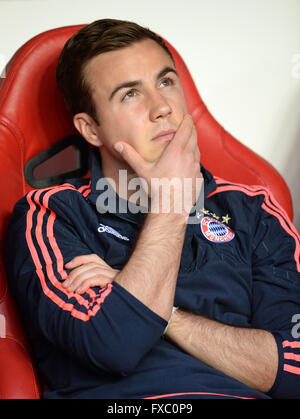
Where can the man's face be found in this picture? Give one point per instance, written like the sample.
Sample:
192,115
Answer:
138,96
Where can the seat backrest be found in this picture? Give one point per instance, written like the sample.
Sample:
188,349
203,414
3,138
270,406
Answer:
32,118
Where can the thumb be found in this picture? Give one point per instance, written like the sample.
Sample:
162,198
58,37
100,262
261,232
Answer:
131,156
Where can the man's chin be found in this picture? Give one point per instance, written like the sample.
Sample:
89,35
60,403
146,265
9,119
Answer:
155,155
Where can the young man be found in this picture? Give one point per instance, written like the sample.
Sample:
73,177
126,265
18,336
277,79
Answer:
123,304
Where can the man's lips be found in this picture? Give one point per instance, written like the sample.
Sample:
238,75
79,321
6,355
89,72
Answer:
164,136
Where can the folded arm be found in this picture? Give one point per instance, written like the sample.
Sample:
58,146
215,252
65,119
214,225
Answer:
265,356
248,355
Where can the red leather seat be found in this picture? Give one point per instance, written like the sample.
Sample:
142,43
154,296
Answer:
32,117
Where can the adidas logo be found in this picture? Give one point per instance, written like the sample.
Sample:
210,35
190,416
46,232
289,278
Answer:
106,229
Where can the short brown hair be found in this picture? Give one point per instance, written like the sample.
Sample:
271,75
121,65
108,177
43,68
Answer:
96,38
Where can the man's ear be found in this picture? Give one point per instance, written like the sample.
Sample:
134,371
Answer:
87,127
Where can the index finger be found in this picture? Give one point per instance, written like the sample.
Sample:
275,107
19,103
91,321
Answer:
131,156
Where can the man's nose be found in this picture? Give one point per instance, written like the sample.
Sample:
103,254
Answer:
159,107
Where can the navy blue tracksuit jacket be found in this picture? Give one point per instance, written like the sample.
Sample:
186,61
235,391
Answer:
240,266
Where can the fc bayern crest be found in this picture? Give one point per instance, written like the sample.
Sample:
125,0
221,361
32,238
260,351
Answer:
215,231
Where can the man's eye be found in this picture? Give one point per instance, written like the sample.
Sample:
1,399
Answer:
166,82
131,93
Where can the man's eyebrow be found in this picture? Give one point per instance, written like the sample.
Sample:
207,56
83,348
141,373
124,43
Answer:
135,83
124,85
165,71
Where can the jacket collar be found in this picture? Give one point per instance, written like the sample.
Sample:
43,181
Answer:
135,214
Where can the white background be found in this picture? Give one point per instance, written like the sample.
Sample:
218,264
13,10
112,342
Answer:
244,56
